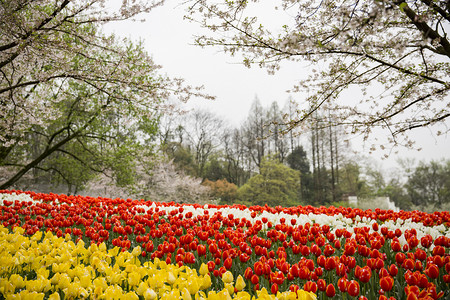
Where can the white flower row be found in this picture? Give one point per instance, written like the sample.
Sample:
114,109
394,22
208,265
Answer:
335,222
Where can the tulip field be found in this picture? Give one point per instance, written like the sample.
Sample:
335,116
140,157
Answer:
75,247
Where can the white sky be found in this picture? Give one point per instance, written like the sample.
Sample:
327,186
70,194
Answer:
168,38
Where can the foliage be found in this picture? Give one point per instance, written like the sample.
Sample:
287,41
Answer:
276,184
396,193
223,190
181,157
215,169
395,52
298,160
430,184
351,182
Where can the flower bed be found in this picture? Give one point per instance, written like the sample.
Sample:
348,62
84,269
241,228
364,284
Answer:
55,246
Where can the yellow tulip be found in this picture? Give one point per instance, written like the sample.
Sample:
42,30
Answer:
55,279
240,283
263,294
227,277
18,230
171,278
130,296
206,282
31,295
100,282
134,278
242,296
224,294
172,295
114,292
304,295
114,251
64,281
85,281
116,278
230,288
37,236
185,295
54,296
93,248
150,294
17,281
95,261
136,251
98,292
203,269
6,287
143,286
72,290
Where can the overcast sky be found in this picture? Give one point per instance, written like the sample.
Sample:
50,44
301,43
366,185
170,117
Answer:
168,39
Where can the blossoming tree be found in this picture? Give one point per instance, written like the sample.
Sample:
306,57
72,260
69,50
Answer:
59,71
394,52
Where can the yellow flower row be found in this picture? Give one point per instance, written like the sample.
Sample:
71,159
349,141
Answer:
45,266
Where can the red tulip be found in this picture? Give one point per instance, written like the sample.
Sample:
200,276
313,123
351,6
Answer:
432,271
330,263
342,284
274,288
310,286
386,283
201,250
353,288
211,265
365,274
408,264
321,284
330,290
341,270
255,279
393,270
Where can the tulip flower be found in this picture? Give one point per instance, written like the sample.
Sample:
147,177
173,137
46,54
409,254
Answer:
386,283
240,283
330,290
227,277
304,295
353,288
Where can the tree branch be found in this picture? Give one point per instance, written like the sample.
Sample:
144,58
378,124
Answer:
427,31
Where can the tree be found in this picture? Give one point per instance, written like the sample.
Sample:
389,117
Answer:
203,132
351,182
298,160
235,156
276,184
55,63
397,193
222,189
396,52
215,168
255,133
429,184
276,140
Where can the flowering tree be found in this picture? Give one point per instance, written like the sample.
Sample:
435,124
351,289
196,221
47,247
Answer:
395,52
56,64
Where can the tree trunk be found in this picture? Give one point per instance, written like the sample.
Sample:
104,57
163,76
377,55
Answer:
333,183
37,160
